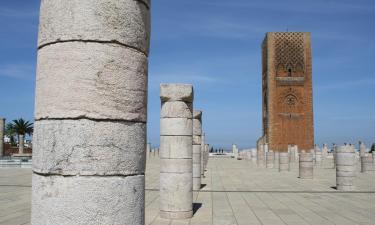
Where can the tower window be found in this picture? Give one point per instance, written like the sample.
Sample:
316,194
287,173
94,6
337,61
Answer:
289,72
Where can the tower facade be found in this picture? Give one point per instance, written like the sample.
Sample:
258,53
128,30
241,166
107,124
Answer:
287,91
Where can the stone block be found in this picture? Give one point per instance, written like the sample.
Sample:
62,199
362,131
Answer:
176,92
124,21
176,147
88,200
176,126
197,140
177,109
91,80
86,147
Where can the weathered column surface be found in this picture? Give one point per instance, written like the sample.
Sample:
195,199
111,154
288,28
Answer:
254,154
345,168
367,164
270,158
260,155
197,142
176,139
306,166
362,149
21,143
2,130
284,161
90,112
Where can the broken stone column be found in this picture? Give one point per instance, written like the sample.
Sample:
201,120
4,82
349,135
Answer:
325,151
176,145
21,143
306,166
367,164
318,158
197,136
203,147
270,157
284,162
345,168
276,160
91,112
2,130
254,154
260,155
206,156
362,149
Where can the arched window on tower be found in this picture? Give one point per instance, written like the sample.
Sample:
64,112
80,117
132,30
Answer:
289,72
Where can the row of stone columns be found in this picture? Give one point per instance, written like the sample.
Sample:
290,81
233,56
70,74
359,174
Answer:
183,155
91,112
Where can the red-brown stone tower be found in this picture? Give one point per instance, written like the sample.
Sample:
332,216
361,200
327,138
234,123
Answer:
287,91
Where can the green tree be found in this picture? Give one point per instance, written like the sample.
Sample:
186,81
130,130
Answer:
10,132
21,128
372,150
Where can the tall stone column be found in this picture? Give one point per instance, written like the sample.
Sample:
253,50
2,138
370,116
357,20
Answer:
21,143
176,145
2,130
362,149
197,136
203,151
91,112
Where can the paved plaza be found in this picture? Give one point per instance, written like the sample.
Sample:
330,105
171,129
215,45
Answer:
234,192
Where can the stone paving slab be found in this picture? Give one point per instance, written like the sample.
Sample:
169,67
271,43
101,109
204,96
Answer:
234,192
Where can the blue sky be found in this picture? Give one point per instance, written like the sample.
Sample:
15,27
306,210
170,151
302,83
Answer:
215,45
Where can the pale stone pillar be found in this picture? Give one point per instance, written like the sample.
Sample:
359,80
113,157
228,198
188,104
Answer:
21,143
345,168
235,151
260,155
362,149
91,112
306,166
367,164
176,145
325,151
270,157
203,150
206,156
277,160
284,161
254,154
197,135
2,130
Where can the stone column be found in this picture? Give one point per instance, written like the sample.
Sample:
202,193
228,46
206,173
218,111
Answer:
176,145
362,149
254,154
21,143
367,164
197,135
260,155
91,112
318,158
284,161
270,157
325,151
203,148
306,166
206,156
2,130
345,168
277,160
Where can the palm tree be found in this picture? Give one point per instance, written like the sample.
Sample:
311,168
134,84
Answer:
22,127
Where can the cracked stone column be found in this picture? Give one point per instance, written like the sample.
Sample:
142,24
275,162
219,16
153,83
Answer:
176,145
306,166
197,142
2,130
91,112
345,168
